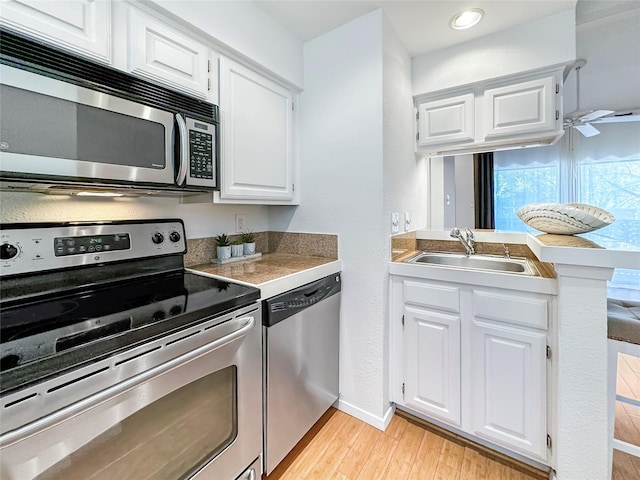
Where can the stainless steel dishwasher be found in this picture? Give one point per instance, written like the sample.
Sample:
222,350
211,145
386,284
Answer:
300,338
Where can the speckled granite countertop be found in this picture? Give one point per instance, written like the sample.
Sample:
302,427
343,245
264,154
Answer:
274,273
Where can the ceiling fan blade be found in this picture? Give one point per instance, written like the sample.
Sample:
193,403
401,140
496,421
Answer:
618,119
587,130
597,114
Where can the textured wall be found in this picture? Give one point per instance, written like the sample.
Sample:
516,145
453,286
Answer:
548,41
201,220
341,141
405,180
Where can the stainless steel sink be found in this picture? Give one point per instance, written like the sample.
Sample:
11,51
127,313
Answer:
475,262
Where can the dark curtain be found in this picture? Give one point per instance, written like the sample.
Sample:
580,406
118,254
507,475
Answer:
483,179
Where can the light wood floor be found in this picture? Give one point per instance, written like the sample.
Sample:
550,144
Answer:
341,447
627,427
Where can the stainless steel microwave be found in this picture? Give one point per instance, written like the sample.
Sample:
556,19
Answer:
67,120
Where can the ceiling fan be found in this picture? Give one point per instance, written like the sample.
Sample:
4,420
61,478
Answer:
582,120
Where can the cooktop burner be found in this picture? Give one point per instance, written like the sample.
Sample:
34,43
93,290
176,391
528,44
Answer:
72,313
39,329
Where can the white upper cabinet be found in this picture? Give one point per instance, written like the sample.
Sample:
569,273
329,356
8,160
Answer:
525,107
450,120
520,110
167,55
258,137
81,26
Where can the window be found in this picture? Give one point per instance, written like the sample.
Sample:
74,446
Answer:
603,170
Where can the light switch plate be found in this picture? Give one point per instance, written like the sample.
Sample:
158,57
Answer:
407,221
395,222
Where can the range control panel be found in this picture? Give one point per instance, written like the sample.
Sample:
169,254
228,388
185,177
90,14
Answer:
27,248
91,243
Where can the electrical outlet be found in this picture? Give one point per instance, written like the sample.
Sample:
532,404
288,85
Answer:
395,222
240,223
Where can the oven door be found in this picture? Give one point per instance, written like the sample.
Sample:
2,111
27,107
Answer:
196,415
58,130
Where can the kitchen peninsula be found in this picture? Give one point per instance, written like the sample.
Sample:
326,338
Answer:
577,334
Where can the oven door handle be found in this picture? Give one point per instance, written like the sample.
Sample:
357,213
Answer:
227,332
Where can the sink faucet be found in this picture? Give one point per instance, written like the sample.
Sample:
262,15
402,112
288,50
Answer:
466,239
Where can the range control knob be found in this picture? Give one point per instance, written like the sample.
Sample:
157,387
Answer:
157,238
174,236
8,251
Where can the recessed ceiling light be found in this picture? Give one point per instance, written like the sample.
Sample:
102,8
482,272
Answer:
466,19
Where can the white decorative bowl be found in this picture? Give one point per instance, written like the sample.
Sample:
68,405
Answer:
564,218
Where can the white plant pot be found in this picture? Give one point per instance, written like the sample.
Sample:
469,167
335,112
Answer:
224,253
237,250
249,248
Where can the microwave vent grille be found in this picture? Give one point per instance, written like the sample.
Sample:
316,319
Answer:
31,55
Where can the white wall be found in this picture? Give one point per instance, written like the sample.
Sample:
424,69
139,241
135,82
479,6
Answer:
243,28
358,166
405,174
609,39
201,220
541,43
341,145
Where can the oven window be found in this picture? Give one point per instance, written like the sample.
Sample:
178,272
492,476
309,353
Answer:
167,440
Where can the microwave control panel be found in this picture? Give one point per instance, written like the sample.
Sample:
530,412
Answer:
201,152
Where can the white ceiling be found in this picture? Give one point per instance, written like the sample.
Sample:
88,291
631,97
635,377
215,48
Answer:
422,25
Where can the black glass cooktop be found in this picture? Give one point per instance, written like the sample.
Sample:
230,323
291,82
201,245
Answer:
110,316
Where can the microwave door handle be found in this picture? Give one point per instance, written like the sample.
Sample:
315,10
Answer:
184,148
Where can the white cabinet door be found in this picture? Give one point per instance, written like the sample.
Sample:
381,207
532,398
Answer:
446,121
82,26
164,54
258,136
508,371
432,363
526,107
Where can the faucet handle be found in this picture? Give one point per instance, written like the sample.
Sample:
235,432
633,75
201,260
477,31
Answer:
455,232
469,233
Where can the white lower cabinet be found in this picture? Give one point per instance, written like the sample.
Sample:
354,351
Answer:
474,358
432,368
508,375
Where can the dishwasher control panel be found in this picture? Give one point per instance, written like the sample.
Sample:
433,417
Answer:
289,303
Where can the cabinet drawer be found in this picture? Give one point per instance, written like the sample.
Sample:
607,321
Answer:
432,295
515,309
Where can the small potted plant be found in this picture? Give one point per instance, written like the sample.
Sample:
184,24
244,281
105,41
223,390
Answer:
249,241
237,248
223,247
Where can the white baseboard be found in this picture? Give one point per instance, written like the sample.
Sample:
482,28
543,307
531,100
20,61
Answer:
381,423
